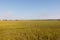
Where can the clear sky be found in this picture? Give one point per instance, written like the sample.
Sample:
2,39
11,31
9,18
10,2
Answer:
29,9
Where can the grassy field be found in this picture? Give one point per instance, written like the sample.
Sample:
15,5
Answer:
30,30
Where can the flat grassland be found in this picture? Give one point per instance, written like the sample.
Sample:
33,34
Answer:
30,30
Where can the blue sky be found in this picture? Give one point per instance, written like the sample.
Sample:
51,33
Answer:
29,9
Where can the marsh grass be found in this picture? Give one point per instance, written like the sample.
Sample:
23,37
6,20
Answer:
29,30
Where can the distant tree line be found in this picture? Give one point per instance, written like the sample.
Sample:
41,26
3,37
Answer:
33,20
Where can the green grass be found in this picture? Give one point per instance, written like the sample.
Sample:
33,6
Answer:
30,30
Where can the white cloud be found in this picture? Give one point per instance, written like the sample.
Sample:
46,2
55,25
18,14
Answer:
7,15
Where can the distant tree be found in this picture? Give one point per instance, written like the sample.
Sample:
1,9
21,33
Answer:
16,20
4,19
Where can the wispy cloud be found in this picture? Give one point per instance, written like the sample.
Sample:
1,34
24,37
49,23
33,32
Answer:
6,15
